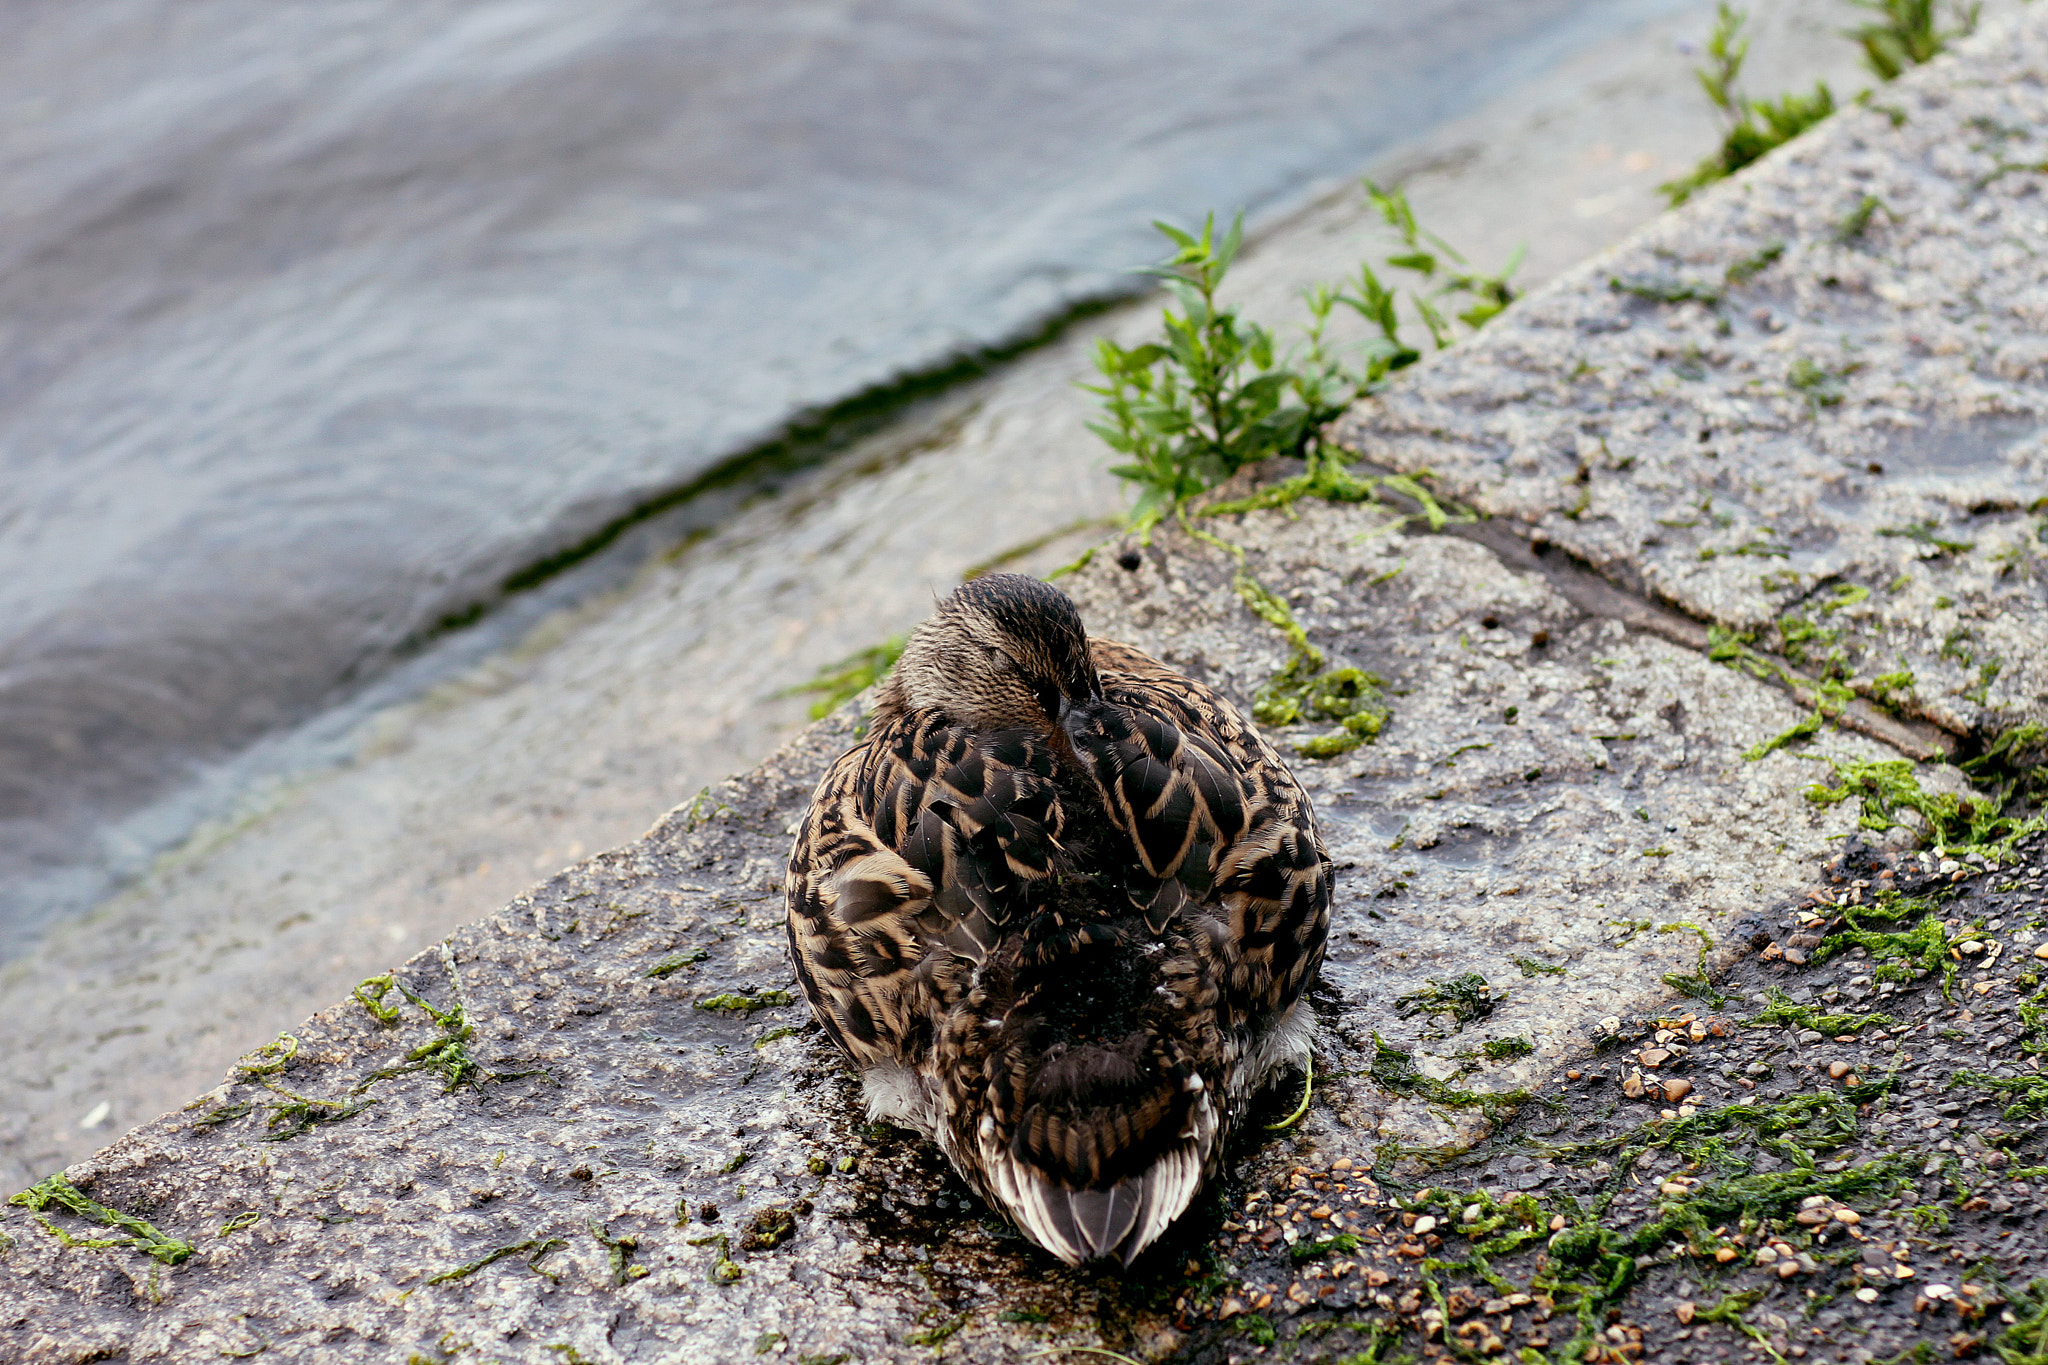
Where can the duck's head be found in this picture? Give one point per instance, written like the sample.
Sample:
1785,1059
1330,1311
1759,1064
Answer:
1003,651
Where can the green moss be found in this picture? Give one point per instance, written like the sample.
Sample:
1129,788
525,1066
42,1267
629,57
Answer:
1530,967
1502,1049
733,1003
58,1191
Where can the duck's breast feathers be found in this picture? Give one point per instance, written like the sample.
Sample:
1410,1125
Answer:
929,836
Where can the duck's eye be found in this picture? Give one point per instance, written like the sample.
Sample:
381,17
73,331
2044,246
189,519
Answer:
1049,700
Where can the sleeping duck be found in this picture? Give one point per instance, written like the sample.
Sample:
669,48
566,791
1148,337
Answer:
1058,908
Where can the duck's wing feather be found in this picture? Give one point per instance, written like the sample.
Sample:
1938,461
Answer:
1215,816
919,848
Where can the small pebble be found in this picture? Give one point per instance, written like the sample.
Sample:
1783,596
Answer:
1849,1216
1677,1089
1866,1295
1837,1070
1424,1224
1685,1311
2042,952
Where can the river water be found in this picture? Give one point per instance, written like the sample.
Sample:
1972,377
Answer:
321,321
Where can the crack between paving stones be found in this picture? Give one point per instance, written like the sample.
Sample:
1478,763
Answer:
1594,593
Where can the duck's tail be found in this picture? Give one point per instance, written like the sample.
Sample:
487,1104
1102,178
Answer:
1118,1219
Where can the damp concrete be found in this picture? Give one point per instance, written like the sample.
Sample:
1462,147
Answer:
594,1126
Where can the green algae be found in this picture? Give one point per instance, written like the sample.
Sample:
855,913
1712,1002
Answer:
241,1220
1902,955
1396,1071
1782,1012
1927,534
1530,967
619,1251
837,682
1326,478
2026,1341
2029,1094
669,966
63,1194
538,1246
1304,688
270,1058
300,1114
370,995
1696,983
1466,999
1746,268
724,1270
1892,690
1784,739
1957,824
731,1002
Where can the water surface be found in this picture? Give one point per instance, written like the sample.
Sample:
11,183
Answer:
320,320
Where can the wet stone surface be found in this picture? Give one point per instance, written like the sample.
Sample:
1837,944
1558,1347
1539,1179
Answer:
597,1127
1722,1181
1813,411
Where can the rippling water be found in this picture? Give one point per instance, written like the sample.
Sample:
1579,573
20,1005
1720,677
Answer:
319,320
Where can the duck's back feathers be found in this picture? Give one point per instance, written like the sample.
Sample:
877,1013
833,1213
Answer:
1060,948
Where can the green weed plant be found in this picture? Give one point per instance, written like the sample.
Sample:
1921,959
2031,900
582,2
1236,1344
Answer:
1900,35
1216,392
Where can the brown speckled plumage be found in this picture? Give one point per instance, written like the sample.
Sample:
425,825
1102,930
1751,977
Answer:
1058,908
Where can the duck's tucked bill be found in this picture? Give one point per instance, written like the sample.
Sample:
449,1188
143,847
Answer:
1059,907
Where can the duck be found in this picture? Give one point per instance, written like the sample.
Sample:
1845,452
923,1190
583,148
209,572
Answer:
1058,908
